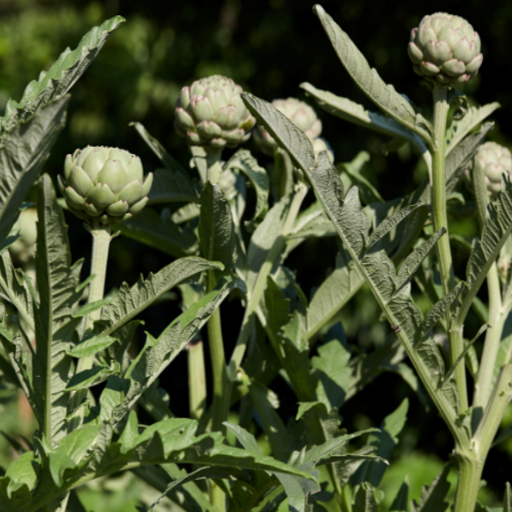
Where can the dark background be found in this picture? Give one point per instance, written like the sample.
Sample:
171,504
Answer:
268,47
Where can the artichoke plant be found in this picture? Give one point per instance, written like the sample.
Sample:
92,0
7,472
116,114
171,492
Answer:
104,185
299,113
211,113
446,49
319,145
494,160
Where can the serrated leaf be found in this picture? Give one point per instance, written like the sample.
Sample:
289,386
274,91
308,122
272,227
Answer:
385,441
23,151
439,309
160,232
91,306
496,230
57,281
390,222
129,302
258,177
412,263
22,471
91,377
91,346
376,268
460,157
246,439
216,228
471,120
337,289
364,500
61,76
157,148
432,498
401,501
159,353
382,94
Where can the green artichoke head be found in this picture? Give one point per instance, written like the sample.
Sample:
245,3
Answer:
104,185
24,247
445,49
494,160
299,113
211,113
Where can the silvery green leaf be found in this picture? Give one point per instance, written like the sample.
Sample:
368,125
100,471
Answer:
246,439
382,94
333,373
390,222
278,436
91,346
23,151
352,224
439,309
159,353
129,302
355,113
471,120
185,213
496,230
171,186
61,76
264,238
415,259
15,289
216,229
385,441
258,177
57,281
91,306
160,232
91,377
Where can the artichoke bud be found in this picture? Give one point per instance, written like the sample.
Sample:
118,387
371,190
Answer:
299,113
24,247
104,185
211,113
494,160
319,145
445,49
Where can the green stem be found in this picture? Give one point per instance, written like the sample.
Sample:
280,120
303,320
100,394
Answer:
440,218
470,472
101,238
196,380
214,167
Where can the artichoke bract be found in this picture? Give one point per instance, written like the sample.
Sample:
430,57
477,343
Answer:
104,185
445,49
319,145
299,113
494,160
211,113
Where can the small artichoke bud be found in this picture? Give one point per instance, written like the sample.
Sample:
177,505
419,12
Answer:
104,185
24,248
299,113
319,145
446,49
211,113
494,160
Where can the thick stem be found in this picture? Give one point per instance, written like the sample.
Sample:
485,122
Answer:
101,238
440,218
214,168
497,315
196,380
470,472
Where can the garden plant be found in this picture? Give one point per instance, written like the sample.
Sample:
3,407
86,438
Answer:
230,224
